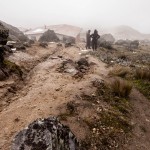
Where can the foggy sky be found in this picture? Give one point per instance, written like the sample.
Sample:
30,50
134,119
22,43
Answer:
83,13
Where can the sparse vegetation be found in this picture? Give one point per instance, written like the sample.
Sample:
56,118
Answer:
107,132
13,68
111,126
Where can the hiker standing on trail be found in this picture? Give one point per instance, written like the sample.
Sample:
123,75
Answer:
95,36
88,40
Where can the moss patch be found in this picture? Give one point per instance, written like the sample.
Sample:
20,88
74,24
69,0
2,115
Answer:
13,68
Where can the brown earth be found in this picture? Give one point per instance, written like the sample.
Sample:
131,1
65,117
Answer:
46,91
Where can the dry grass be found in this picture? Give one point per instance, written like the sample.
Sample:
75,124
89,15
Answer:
142,73
120,87
119,71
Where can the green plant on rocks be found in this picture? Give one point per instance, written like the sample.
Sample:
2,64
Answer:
13,68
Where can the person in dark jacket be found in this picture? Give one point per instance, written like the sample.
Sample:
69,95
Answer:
95,36
88,40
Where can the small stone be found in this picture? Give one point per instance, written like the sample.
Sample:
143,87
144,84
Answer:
17,120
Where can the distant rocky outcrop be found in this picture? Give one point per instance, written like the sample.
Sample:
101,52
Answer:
106,41
14,33
45,134
49,36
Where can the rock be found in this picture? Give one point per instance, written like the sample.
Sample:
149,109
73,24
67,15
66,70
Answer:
45,134
105,44
20,47
26,44
7,48
82,62
68,44
49,36
68,39
59,45
134,44
2,75
106,41
43,44
108,38
31,42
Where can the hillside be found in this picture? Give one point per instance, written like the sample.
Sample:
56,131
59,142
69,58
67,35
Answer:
72,84
126,32
14,33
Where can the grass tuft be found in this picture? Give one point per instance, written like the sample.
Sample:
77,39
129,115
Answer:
142,73
120,87
119,71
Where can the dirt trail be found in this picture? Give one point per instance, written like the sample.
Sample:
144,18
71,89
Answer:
46,90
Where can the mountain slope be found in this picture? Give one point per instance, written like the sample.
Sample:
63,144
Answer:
126,32
15,33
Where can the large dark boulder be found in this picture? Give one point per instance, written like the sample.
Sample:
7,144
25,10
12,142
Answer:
106,41
108,38
49,36
45,134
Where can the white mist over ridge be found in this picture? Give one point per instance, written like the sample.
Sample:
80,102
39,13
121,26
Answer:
85,13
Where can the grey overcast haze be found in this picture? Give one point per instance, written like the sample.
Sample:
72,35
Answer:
82,13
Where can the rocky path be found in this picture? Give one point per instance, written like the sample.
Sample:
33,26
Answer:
46,90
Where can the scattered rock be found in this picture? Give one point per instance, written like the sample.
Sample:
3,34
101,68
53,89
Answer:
31,42
2,75
43,44
68,39
27,44
59,44
83,62
45,134
17,120
68,44
20,46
